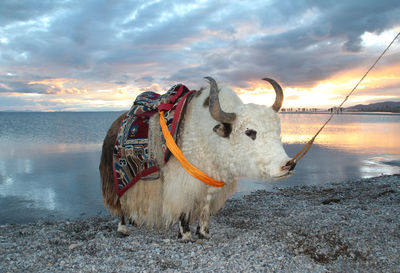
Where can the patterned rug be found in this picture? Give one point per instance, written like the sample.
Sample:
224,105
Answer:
131,158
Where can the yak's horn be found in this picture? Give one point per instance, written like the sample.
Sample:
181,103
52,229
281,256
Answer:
215,107
279,94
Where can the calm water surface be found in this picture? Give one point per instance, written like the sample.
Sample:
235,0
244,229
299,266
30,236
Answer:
49,161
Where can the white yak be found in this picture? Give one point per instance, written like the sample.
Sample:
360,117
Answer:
221,136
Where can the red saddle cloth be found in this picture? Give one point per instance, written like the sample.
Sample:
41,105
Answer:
131,158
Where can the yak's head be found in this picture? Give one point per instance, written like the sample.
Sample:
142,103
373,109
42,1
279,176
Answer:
250,137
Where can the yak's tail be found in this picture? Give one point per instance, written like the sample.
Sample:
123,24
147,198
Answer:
111,200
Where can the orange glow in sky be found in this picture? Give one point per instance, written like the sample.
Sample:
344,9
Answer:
331,92
323,95
60,86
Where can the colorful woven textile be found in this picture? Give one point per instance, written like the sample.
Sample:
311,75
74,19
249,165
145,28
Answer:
131,157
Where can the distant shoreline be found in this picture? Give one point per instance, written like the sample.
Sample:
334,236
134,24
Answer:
110,111
291,112
345,113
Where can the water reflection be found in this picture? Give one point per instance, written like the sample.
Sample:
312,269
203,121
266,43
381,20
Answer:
372,138
47,176
353,133
50,182
379,165
17,180
16,150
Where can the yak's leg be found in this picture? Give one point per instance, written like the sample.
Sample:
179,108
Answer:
184,229
122,229
132,222
202,229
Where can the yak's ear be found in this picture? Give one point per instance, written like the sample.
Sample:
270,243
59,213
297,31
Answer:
223,129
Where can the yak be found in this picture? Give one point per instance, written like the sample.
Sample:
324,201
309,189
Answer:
220,135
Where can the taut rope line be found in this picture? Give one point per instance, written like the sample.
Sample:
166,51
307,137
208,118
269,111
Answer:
307,146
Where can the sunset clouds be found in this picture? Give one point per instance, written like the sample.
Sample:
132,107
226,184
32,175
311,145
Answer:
98,55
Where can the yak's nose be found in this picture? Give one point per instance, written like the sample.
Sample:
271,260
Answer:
289,166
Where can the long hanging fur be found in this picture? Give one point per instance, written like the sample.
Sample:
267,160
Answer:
110,196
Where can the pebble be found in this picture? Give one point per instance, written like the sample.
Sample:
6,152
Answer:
73,246
287,230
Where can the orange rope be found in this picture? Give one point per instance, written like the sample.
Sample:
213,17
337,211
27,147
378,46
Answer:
307,146
192,170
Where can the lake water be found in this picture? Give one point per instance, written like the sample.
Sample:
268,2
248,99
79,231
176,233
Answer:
49,161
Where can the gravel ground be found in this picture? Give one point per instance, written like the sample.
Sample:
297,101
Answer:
347,227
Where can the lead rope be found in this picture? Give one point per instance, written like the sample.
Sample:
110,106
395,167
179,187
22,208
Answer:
307,146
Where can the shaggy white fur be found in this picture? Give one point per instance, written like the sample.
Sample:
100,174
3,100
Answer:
163,201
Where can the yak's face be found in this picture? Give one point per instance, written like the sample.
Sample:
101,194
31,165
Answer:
254,142
247,137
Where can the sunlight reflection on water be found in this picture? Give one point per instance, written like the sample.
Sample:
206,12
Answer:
353,133
373,137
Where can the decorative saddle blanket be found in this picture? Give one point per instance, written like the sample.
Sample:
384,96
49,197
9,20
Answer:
131,158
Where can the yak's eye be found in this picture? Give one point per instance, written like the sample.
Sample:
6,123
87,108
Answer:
223,129
251,134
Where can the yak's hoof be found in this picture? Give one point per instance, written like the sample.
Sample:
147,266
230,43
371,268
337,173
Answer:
185,237
121,235
202,234
122,230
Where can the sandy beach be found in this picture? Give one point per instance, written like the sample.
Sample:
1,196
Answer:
348,227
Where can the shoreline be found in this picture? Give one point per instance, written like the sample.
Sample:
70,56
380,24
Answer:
281,112
344,113
348,226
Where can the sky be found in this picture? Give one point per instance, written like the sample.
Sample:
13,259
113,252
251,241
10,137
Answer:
99,55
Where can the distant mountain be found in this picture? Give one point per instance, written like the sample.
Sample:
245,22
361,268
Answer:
387,106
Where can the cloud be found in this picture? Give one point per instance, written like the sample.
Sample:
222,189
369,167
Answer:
40,86
112,44
21,87
58,86
22,11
